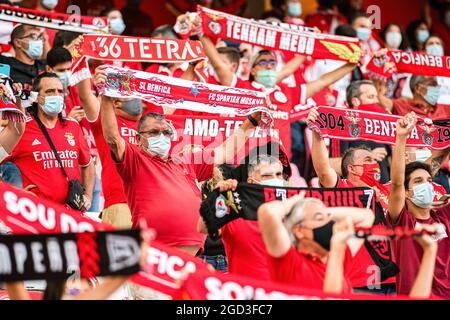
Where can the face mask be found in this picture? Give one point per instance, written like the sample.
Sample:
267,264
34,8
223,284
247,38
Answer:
323,234
64,77
394,39
295,9
432,95
117,26
159,145
53,105
363,33
273,182
422,35
50,4
35,49
371,174
423,195
435,49
132,107
268,78
423,155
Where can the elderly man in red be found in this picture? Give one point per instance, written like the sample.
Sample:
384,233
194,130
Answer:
162,189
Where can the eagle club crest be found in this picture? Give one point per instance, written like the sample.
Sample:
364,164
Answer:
214,27
427,138
70,138
354,129
221,206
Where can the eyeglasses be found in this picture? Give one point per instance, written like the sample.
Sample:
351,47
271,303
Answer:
154,133
264,63
34,36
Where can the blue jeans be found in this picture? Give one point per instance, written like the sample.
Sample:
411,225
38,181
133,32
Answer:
10,173
95,204
387,289
218,262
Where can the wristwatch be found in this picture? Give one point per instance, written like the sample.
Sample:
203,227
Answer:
252,120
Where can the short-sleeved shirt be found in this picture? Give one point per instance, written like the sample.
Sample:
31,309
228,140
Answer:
165,193
37,162
112,186
409,253
245,249
306,271
403,106
22,72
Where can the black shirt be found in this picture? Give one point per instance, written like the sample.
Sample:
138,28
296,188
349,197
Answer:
22,72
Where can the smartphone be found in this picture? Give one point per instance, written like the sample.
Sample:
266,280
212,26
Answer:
5,69
444,197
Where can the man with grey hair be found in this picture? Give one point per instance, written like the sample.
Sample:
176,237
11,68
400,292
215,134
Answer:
310,245
425,90
241,238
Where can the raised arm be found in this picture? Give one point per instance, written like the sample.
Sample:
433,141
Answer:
319,154
436,159
111,130
270,220
11,135
397,193
89,101
290,67
328,79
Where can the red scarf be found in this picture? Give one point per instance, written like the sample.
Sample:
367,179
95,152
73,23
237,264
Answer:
217,24
349,124
54,20
396,61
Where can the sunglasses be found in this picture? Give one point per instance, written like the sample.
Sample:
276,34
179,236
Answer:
264,63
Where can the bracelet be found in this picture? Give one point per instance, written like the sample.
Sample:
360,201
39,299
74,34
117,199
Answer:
252,120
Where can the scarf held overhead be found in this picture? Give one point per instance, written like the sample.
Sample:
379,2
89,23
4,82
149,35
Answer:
350,124
276,37
54,20
183,94
63,255
137,49
220,208
396,61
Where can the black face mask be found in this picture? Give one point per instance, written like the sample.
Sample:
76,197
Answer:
323,234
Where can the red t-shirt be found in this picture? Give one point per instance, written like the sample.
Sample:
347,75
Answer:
299,269
409,253
362,269
403,106
165,193
112,186
245,249
283,99
38,165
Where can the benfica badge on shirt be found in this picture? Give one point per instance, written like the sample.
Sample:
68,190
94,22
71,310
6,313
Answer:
70,138
221,207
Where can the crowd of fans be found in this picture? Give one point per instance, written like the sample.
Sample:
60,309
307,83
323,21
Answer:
120,151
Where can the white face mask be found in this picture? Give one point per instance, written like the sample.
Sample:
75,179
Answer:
394,39
159,145
272,182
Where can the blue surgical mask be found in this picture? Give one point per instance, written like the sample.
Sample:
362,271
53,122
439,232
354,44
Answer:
422,35
53,105
117,26
422,155
423,195
159,145
64,77
393,39
435,49
273,182
268,78
50,4
295,9
363,33
132,107
35,49
432,95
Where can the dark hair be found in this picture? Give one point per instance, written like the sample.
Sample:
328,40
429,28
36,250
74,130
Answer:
166,31
413,166
326,4
345,30
411,33
404,44
106,11
356,15
33,110
232,53
354,90
18,32
348,158
153,115
64,38
58,55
